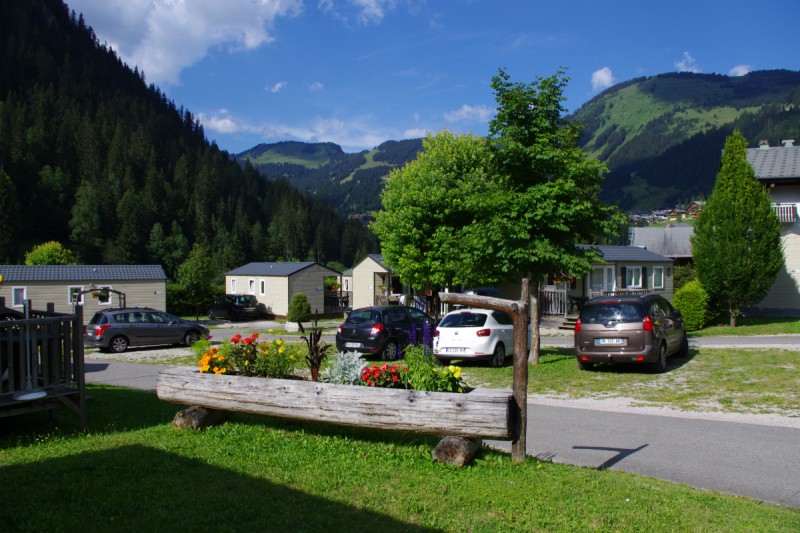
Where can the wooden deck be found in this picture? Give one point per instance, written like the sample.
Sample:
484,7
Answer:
41,363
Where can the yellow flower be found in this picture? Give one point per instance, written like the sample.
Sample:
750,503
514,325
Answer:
280,350
278,342
219,370
204,368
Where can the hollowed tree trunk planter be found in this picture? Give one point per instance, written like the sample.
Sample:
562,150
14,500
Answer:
481,413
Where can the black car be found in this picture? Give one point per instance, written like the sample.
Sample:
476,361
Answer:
629,329
383,329
234,307
117,329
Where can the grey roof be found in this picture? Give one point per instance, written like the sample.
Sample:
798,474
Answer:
273,269
81,272
775,162
615,253
671,241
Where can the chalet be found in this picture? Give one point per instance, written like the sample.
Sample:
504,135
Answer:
373,282
778,168
695,207
673,241
274,285
93,286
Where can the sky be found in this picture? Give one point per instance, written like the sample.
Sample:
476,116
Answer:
362,72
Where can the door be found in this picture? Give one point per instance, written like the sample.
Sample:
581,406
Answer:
602,280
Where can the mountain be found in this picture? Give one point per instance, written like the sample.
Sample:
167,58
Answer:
350,182
660,137
95,158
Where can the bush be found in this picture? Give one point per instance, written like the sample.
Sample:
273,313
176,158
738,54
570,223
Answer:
694,304
346,368
425,374
299,309
249,357
683,275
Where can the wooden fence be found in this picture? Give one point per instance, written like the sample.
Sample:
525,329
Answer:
41,362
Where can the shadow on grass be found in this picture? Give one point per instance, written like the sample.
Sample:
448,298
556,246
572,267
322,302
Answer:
138,488
673,363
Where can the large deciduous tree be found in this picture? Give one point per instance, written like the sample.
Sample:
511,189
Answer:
737,244
553,187
50,253
433,210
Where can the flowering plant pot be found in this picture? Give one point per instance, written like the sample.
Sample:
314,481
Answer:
481,413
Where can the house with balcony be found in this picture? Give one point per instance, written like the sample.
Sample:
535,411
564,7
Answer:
778,168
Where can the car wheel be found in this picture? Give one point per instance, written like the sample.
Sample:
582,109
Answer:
499,356
661,363
118,344
191,337
585,365
389,352
684,349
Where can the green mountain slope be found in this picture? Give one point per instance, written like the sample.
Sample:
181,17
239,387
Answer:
350,182
661,136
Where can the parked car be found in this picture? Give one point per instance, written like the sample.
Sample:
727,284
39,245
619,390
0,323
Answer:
629,329
234,307
118,329
382,329
474,334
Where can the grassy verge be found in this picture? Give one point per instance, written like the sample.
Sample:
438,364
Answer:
731,380
130,470
753,326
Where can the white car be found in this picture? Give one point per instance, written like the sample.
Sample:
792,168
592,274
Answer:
474,334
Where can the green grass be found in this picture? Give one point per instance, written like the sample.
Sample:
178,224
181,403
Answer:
131,471
752,326
730,380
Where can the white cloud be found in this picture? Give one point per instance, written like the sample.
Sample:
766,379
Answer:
162,37
221,121
315,86
277,87
367,11
687,64
602,79
468,113
739,70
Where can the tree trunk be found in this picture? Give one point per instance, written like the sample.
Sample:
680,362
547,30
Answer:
535,347
520,381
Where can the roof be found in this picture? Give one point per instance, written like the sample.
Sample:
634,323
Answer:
274,269
776,163
671,241
615,253
81,272
378,258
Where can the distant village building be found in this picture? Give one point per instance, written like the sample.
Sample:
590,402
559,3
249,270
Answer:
673,241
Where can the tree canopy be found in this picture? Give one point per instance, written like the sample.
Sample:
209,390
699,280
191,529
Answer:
737,244
50,253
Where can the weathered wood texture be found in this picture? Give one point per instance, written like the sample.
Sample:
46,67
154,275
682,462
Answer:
456,450
481,413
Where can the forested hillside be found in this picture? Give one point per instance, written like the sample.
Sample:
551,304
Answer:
93,157
661,137
350,182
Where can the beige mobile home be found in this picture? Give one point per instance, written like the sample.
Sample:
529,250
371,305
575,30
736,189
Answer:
67,285
274,284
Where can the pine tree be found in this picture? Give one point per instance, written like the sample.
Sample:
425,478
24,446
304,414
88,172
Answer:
737,243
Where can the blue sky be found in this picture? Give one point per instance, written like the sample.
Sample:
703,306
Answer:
361,72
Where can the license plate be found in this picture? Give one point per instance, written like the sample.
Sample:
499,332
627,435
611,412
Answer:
352,345
606,342
454,350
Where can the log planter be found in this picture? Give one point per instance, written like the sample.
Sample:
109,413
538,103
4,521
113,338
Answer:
481,413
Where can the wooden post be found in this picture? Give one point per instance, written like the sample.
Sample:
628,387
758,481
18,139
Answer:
519,313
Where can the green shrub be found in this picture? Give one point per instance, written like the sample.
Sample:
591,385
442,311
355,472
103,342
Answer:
683,274
299,309
424,373
694,304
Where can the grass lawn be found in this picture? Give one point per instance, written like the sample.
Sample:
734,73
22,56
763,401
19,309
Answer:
731,380
131,471
752,326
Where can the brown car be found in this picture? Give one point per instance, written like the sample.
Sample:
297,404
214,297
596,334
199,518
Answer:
629,329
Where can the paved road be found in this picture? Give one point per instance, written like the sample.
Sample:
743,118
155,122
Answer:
753,341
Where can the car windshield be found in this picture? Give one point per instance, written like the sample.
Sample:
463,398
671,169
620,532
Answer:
602,313
463,319
362,316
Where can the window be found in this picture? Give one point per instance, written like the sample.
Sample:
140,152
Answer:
103,297
233,286
633,277
251,286
263,287
18,296
658,277
74,296
597,279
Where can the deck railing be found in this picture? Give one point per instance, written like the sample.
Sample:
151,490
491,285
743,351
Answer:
41,363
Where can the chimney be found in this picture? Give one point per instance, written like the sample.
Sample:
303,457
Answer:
788,143
763,144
